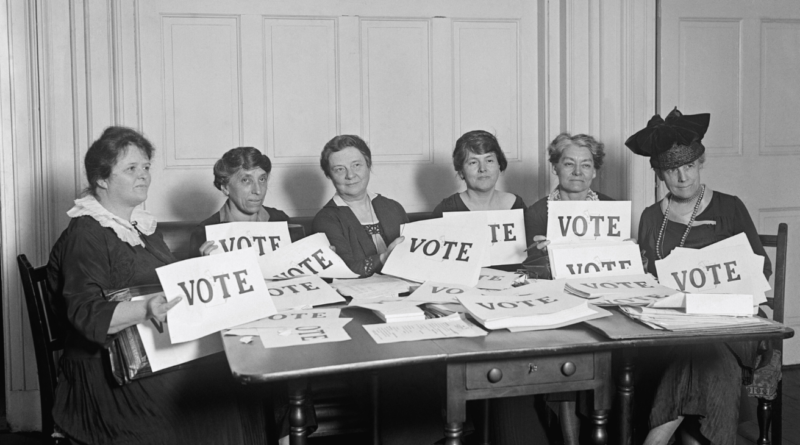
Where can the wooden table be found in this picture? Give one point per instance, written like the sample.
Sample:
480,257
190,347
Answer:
501,364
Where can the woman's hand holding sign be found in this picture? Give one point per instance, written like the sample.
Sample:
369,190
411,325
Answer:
158,306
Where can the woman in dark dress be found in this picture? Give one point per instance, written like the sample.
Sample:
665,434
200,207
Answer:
478,161
363,227
242,175
698,386
111,244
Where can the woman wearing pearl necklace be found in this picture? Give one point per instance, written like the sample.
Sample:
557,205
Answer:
698,387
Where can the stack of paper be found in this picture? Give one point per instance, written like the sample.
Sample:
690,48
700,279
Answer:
631,290
394,310
376,286
533,309
679,320
448,327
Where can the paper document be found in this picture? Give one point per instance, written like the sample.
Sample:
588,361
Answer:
595,258
737,305
311,255
218,292
447,327
435,292
306,334
636,290
302,292
494,279
162,354
394,311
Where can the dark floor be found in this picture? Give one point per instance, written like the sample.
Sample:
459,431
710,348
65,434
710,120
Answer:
791,414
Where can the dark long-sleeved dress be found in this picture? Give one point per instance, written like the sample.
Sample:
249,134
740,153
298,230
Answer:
701,380
196,404
454,203
352,242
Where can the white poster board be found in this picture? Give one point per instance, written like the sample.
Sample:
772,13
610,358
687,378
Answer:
218,292
162,354
264,236
590,259
437,252
436,292
311,255
505,231
575,221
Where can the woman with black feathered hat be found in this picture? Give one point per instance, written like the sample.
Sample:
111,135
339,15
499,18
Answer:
698,386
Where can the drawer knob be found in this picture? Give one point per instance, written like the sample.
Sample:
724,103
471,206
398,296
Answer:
568,368
495,375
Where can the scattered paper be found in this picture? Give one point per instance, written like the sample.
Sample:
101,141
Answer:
447,327
541,309
440,252
311,255
218,292
303,292
636,290
306,334
563,319
162,354
493,279
505,233
264,236
435,292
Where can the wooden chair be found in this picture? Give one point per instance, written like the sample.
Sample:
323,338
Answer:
772,411
48,340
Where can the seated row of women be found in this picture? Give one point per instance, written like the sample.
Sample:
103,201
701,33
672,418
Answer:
111,243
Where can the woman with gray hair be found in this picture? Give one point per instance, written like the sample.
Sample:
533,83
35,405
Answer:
575,160
242,175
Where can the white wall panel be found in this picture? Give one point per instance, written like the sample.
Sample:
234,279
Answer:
202,88
710,80
780,87
486,81
396,89
301,88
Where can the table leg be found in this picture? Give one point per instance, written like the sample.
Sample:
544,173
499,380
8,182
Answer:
374,381
625,396
298,434
599,434
452,433
455,403
764,419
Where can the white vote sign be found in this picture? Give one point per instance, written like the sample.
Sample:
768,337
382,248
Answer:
590,259
218,292
734,270
573,221
493,279
436,292
505,231
162,354
437,252
311,255
302,292
306,334
264,236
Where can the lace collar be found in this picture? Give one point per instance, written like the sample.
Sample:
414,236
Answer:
145,222
556,196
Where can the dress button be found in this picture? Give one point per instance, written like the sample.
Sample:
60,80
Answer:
568,369
495,375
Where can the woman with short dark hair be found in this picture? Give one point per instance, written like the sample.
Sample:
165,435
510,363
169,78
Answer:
363,227
242,175
478,160
112,244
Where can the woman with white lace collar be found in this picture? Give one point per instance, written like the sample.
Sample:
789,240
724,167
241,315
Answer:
112,244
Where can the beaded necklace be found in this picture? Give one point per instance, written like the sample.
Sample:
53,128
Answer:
659,246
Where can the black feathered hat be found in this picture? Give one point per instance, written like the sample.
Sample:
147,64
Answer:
672,142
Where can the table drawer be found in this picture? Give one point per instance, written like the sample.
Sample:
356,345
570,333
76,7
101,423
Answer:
528,371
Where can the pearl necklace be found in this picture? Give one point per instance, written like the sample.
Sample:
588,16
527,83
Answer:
659,246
